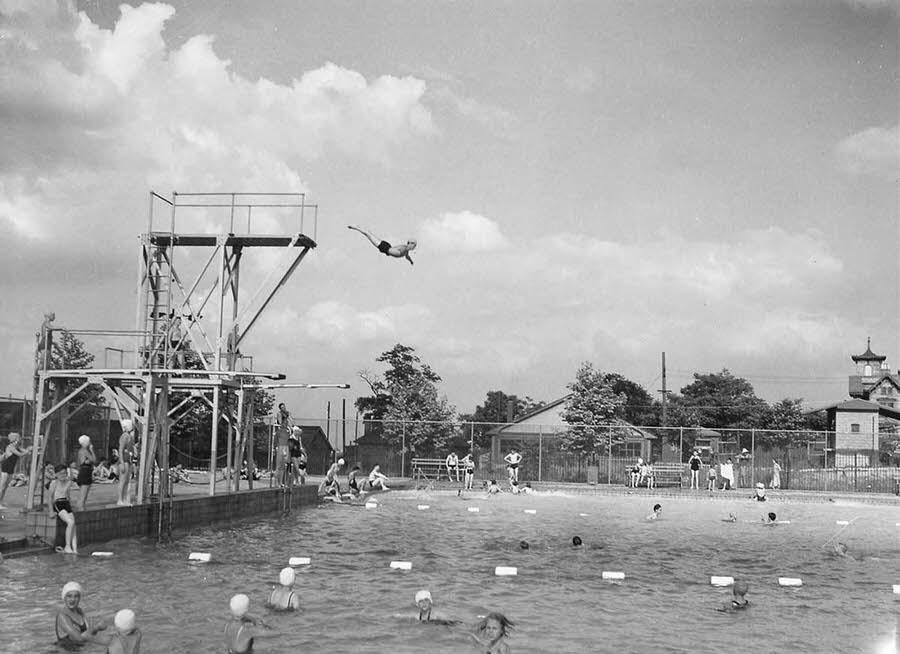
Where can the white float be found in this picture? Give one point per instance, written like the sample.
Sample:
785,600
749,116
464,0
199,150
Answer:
104,554
474,509
583,515
203,557
371,505
401,565
842,522
721,581
299,560
505,571
423,507
612,576
896,589
531,511
790,581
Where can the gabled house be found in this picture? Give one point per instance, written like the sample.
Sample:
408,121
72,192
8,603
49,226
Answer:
873,379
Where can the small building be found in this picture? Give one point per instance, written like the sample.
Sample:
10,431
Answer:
854,428
873,379
320,453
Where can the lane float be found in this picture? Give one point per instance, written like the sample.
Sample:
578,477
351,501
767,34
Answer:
423,507
896,589
612,576
842,522
531,511
202,557
506,571
790,581
401,565
103,554
299,560
474,509
721,581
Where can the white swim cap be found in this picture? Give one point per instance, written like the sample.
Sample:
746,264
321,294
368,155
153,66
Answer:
760,485
240,604
340,462
423,595
84,440
71,587
287,576
127,424
124,620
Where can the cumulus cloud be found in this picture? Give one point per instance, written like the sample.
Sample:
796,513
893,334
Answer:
873,151
462,232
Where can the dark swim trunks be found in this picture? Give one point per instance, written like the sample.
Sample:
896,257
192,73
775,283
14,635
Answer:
85,474
383,247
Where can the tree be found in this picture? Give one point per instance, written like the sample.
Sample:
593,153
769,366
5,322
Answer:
495,410
592,402
784,422
407,402
720,401
69,353
639,408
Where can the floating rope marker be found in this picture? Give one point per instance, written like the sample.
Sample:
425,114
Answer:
617,576
845,523
896,589
789,581
784,522
401,565
585,515
104,554
423,507
203,557
842,522
299,560
531,511
503,571
474,509
721,581
371,505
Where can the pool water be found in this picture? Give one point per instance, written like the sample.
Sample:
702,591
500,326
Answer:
354,602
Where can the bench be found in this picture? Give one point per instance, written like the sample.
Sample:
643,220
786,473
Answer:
664,474
432,469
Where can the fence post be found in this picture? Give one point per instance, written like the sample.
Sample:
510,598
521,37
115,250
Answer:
403,451
753,457
540,450
681,444
609,456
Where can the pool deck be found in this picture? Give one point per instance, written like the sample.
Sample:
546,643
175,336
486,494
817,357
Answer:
15,541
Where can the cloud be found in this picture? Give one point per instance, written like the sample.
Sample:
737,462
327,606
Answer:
873,151
463,232
491,116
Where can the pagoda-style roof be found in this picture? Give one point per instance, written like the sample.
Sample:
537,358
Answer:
868,355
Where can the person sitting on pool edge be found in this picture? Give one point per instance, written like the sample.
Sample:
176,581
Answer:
330,485
283,597
377,479
738,601
494,488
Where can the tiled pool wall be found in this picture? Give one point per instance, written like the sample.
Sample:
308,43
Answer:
105,523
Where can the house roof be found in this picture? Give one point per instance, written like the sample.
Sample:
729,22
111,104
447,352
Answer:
852,405
868,355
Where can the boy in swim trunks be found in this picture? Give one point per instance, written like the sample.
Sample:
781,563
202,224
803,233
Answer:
398,251
126,462
58,504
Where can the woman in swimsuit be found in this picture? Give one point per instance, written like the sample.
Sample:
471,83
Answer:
8,461
86,460
72,628
239,631
469,466
298,456
59,505
283,597
352,483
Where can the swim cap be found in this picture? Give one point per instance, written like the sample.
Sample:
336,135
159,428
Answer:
84,440
127,425
340,462
523,544
124,620
71,587
240,604
741,587
576,540
287,576
760,485
423,595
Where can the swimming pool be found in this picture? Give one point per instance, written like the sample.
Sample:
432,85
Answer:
353,601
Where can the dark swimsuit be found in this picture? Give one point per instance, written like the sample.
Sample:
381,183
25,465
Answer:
383,247
352,483
62,504
66,641
249,649
9,464
85,474
738,607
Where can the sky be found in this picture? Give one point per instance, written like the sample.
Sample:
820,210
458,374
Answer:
586,181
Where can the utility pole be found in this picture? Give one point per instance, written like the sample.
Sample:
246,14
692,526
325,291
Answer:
343,424
663,391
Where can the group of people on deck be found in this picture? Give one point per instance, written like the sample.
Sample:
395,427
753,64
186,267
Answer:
356,485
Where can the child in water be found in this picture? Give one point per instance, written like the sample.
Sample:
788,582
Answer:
492,631
760,495
738,601
770,518
494,487
657,511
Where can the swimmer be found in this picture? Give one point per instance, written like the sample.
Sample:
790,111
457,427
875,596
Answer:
492,631
770,518
239,630
127,638
841,549
426,605
657,512
398,251
738,601
760,495
494,488
731,518
528,488
72,625
523,545
514,488
283,597
58,504
577,542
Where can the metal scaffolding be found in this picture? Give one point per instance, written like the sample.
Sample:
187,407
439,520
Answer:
213,230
